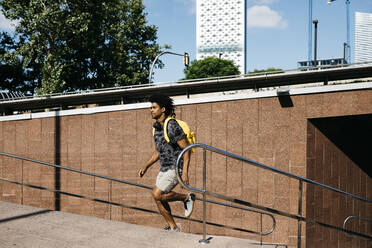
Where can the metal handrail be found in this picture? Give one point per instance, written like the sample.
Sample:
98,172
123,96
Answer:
133,184
217,150
298,217
355,217
73,170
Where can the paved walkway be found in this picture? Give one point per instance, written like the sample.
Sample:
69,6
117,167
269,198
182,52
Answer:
25,226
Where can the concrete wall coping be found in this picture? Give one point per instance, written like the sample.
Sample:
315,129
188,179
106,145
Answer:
204,98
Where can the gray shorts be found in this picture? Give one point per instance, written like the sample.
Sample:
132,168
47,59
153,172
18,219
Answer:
166,181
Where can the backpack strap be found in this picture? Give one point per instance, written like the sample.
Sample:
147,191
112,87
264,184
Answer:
165,128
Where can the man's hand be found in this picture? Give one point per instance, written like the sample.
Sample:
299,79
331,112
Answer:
153,159
142,172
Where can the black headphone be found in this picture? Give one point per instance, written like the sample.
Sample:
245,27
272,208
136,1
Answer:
157,126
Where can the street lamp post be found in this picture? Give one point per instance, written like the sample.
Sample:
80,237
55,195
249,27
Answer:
344,61
315,41
348,48
185,56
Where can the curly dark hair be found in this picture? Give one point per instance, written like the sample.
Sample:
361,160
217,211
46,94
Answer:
164,101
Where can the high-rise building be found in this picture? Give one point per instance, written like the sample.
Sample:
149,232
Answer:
221,30
363,37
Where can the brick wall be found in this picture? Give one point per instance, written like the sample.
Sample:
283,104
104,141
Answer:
117,144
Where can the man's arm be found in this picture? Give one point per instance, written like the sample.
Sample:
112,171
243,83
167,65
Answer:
186,160
152,160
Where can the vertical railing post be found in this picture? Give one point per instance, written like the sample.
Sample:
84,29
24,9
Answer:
204,240
299,213
110,199
22,196
261,231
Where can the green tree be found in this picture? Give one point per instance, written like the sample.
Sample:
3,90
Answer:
270,69
211,67
13,76
66,45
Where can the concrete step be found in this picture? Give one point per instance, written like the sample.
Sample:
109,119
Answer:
25,226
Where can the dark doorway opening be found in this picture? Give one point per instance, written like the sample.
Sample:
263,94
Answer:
352,135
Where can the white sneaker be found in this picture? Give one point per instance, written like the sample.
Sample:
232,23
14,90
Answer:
189,205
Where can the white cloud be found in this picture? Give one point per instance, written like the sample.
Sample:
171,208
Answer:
190,5
6,24
260,16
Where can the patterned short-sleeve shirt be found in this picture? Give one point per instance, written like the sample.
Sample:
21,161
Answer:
168,152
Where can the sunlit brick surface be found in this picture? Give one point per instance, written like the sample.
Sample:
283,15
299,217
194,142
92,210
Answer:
117,144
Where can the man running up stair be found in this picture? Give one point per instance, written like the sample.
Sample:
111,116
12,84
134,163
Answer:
167,153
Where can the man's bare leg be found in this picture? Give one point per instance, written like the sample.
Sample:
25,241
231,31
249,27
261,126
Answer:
174,196
162,200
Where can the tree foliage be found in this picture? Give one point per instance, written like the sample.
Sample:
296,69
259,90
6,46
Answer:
65,45
270,70
12,75
211,67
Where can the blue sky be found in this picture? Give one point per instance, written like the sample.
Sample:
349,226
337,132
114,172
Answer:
277,34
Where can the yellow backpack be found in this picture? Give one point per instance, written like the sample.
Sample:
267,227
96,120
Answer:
190,136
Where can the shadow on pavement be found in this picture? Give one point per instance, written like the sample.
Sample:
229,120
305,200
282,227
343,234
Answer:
25,216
